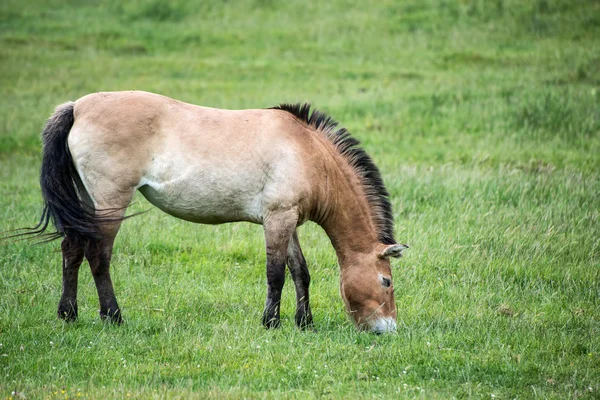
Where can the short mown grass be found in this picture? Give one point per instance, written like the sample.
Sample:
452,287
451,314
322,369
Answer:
484,118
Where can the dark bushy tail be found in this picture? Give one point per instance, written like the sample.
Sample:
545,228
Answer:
58,181
58,176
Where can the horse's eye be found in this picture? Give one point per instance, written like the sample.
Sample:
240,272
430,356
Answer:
386,282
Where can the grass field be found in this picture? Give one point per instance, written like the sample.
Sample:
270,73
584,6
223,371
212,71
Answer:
484,118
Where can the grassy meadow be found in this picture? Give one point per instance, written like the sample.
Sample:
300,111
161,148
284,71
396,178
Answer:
484,118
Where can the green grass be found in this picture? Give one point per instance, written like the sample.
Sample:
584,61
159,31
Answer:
484,117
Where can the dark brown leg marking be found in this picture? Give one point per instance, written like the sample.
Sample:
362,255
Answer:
300,275
72,251
279,228
99,254
275,281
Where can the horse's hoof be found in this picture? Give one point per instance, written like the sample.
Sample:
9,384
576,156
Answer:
272,322
111,316
67,313
305,323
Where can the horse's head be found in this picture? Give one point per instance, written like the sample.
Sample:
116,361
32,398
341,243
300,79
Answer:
367,289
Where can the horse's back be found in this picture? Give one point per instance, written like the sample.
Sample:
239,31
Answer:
197,163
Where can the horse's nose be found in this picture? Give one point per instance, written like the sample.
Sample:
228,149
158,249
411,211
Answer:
383,325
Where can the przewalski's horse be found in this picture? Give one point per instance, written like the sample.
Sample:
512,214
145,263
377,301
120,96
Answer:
277,167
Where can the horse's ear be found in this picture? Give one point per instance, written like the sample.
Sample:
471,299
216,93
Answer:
393,250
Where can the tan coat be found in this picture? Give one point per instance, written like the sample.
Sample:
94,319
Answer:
277,167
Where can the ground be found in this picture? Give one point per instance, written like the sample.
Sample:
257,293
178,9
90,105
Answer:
484,118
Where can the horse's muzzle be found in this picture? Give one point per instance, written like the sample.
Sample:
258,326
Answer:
382,325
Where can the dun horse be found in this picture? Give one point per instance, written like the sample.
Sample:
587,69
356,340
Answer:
278,167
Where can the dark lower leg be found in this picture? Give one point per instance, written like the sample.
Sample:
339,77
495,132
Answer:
279,228
304,317
275,281
99,255
300,275
72,252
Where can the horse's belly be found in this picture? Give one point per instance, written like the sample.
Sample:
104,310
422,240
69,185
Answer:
206,202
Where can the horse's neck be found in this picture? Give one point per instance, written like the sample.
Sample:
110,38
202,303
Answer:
349,224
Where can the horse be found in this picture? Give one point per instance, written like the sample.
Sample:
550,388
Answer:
279,167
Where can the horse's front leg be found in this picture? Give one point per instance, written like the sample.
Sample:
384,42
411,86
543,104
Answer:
300,275
279,227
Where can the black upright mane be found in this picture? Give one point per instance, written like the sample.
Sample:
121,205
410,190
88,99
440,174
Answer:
359,160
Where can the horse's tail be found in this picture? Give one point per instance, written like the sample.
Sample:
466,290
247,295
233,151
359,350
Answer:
59,180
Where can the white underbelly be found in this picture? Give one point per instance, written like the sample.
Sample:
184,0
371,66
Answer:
208,198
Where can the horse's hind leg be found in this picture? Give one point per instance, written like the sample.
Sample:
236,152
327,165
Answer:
99,253
279,227
300,275
72,251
